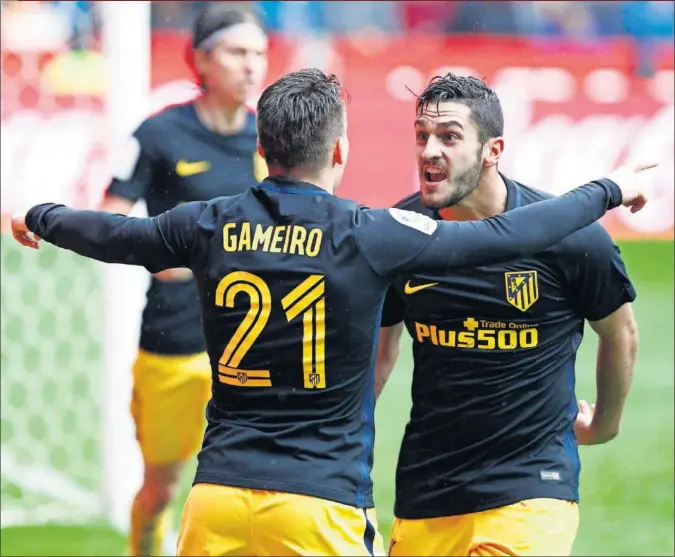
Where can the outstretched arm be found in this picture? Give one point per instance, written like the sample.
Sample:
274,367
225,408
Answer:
533,228
396,241
155,243
520,232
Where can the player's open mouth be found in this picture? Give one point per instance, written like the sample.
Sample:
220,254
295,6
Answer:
433,174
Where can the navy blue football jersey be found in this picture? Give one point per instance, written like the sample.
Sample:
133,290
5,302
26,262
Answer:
172,158
291,282
493,382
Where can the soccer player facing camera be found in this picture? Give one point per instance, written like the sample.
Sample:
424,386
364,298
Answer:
489,462
291,280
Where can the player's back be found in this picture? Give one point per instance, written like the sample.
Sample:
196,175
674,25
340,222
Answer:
293,308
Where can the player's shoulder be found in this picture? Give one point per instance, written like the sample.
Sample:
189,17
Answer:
339,208
591,241
173,112
228,203
166,118
393,222
529,194
413,202
209,213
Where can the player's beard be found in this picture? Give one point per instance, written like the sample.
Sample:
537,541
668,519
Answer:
461,185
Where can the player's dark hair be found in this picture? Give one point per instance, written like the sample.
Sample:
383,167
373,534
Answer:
218,16
486,110
299,119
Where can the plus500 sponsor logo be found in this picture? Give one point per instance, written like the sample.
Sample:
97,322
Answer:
480,334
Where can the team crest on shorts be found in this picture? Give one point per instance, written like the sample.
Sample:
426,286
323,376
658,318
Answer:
522,289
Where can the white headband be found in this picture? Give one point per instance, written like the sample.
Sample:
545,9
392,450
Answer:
211,40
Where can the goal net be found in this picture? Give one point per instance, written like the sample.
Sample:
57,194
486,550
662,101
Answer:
50,386
67,449
51,300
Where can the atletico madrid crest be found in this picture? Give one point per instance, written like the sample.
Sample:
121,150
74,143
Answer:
522,289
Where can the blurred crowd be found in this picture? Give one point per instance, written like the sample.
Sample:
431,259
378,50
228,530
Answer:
53,24
560,19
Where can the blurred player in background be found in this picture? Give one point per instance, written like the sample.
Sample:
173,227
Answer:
489,462
190,152
291,282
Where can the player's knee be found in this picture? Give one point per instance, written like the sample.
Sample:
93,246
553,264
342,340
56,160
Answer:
154,497
159,487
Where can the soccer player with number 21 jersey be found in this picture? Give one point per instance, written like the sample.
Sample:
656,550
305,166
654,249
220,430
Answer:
195,151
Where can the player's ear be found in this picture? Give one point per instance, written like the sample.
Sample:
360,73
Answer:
199,61
260,151
340,151
493,151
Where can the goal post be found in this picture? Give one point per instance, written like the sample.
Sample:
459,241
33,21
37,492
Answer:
126,48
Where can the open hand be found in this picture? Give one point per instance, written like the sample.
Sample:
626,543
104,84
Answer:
21,233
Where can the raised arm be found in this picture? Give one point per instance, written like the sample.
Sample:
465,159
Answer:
155,243
439,246
519,232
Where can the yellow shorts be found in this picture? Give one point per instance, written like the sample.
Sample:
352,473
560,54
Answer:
538,527
220,520
169,405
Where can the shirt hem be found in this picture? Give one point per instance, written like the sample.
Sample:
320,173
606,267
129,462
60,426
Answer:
284,487
164,348
485,505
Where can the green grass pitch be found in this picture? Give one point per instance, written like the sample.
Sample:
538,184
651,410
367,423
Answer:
627,485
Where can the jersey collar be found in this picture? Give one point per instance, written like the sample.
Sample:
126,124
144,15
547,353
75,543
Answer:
513,197
284,185
513,194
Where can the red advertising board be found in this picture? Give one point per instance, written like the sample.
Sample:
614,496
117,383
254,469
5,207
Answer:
571,114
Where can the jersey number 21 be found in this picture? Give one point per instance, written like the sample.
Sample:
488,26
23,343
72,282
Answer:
307,300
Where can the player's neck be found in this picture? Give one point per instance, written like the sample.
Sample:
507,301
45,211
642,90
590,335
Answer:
220,117
487,200
320,180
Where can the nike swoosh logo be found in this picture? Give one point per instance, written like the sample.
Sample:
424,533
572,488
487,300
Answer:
185,168
412,289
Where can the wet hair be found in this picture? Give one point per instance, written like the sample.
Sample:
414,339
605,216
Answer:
486,110
299,119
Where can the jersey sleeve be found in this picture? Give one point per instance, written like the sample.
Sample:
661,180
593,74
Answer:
137,165
393,310
597,278
396,241
157,243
